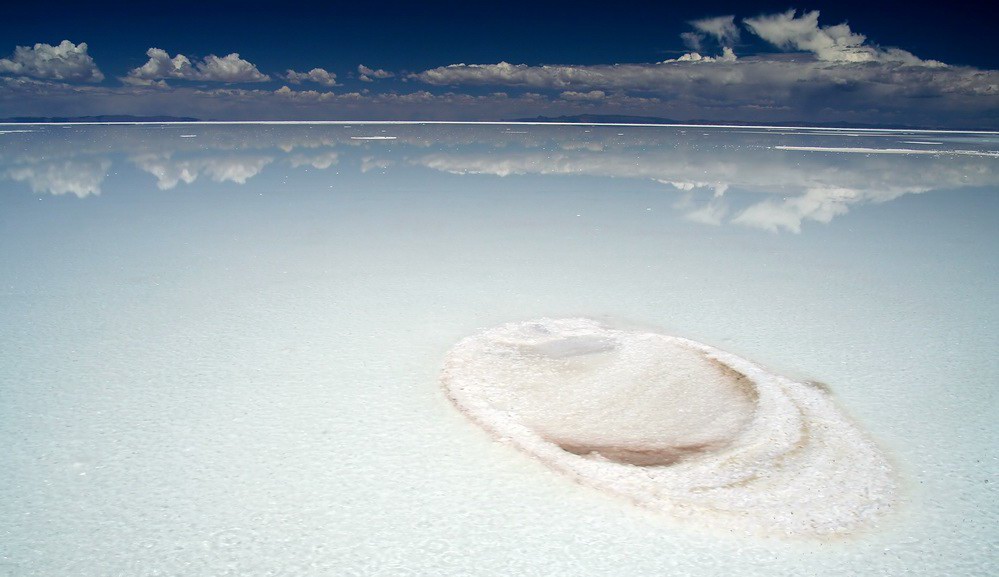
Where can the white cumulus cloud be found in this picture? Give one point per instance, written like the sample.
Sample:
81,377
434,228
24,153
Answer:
67,61
722,28
728,55
838,43
369,74
160,66
230,68
317,75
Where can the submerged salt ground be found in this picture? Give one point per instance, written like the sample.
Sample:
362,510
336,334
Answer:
672,425
221,355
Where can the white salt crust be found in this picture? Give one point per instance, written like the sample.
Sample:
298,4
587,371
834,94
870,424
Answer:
673,425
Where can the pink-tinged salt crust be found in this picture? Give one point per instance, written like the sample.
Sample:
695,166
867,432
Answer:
674,426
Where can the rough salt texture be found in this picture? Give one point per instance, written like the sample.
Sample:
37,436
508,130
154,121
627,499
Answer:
673,425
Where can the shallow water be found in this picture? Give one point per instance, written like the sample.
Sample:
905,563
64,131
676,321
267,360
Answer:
221,345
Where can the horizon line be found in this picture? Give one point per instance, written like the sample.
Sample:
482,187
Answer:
499,123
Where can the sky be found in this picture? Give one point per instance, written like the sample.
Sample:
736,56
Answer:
888,63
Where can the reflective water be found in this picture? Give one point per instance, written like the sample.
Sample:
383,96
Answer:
220,346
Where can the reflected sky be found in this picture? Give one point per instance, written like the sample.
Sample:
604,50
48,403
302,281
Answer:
221,345
777,180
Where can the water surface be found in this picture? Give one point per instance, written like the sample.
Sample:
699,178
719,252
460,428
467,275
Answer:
221,345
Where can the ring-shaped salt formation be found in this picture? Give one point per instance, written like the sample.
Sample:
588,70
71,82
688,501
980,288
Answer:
673,425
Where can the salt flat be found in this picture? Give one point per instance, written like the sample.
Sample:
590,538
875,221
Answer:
222,354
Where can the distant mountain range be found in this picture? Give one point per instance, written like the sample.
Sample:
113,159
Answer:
625,119
98,119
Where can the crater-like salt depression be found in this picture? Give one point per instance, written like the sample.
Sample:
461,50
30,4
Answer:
673,425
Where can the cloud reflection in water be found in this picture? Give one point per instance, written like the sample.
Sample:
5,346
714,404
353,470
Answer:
771,180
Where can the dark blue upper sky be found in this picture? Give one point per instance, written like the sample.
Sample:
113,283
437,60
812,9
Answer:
412,37
417,35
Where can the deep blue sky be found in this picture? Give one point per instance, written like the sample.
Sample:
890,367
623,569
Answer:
410,38
419,35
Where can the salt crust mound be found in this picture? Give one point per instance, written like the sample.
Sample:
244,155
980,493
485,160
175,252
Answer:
672,425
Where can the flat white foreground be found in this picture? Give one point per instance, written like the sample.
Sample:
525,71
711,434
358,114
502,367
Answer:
221,354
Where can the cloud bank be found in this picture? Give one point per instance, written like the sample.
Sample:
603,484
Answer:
811,72
822,71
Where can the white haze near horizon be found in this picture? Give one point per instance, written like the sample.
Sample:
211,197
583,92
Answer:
222,352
